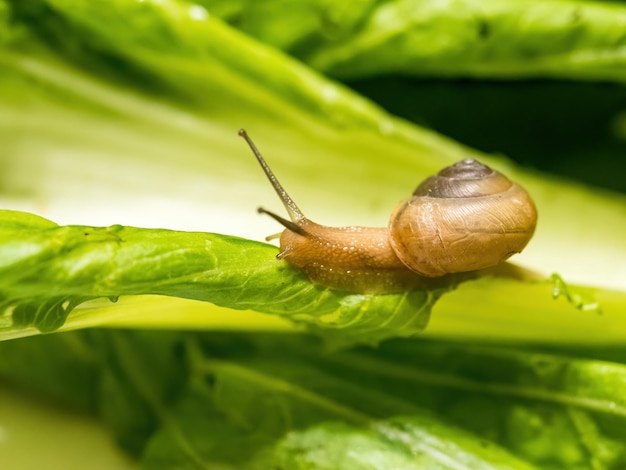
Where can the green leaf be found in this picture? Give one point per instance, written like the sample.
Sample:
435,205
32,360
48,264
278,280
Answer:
409,443
545,408
194,400
48,270
469,38
260,397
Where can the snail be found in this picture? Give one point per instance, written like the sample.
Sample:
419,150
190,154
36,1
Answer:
465,218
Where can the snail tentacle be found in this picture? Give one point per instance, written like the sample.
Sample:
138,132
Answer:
295,214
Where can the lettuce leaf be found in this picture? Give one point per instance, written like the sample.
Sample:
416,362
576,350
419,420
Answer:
469,38
50,270
82,263
199,400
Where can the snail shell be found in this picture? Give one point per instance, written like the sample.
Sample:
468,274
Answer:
465,218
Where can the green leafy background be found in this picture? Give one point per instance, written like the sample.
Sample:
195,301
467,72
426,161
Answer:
123,114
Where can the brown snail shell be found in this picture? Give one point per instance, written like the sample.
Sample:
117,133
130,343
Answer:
465,218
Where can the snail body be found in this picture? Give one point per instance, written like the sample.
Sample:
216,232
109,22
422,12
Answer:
466,218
